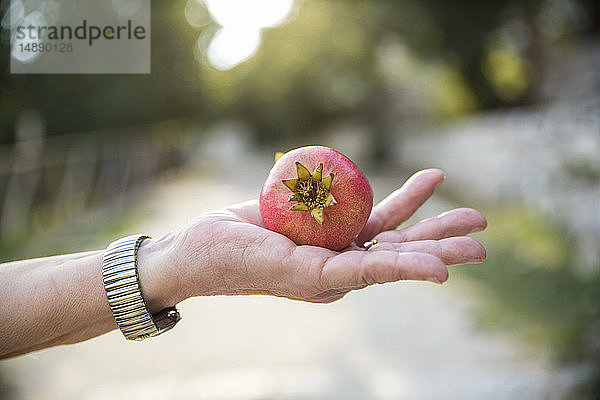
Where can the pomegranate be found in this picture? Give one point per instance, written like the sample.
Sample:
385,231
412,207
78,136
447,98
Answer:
327,207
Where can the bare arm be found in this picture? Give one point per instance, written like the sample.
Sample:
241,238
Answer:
61,300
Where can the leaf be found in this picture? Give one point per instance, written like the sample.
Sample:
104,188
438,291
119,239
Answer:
278,155
290,183
299,207
327,181
330,201
318,174
317,214
302,171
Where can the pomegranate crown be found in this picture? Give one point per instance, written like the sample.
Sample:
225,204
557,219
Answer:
312,192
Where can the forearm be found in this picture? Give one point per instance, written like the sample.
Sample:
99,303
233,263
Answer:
61,300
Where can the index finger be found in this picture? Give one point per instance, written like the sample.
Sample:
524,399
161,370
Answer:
402,203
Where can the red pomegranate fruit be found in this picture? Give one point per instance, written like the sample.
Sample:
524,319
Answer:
316,196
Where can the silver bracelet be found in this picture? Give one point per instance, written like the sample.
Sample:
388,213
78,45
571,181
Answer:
122,286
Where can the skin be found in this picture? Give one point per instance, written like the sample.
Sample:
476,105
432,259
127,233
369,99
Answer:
61,300
343,221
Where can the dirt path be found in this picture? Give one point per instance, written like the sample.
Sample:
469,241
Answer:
397,341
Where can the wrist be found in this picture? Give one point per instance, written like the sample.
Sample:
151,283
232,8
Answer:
157,273
196,259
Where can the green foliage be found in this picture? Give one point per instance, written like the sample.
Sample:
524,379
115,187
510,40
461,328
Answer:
325,64
534,287
315,69
84,102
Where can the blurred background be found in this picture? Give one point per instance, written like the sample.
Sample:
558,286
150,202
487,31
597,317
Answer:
502,95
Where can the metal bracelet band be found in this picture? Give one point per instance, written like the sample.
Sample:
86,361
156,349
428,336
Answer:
121,282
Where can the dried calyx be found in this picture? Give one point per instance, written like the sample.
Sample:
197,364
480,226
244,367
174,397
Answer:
311,191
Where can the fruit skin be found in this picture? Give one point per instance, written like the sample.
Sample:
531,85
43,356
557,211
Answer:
343,221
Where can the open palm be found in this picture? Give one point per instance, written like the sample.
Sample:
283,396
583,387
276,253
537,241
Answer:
246,258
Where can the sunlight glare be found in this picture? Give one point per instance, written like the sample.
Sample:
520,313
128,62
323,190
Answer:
229,47
35,18
241,23
240,14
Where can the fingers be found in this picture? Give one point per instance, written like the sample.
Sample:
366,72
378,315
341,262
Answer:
458,222
401,204
452,251
248,211
355,269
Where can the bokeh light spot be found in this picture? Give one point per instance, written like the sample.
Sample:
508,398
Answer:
229,47
241,25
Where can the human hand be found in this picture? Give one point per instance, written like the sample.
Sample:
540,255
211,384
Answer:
230,251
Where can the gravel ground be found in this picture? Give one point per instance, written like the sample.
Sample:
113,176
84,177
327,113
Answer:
407,340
